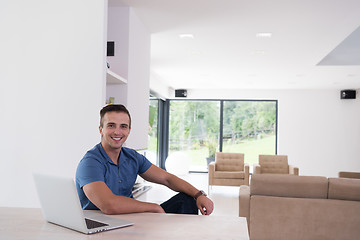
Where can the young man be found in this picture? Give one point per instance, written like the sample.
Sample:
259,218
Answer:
106,174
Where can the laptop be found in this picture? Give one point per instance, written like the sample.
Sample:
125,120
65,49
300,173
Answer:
60,205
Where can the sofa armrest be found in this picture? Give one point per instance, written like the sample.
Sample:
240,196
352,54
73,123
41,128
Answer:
293,170
211,172
246,168
343,174
244,203
247,172
256,168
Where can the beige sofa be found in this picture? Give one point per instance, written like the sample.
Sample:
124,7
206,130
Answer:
301,207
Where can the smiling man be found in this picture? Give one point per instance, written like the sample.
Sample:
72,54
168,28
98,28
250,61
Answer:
106,174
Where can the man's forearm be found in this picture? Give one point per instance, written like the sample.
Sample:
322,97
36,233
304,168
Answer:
121,205
102,197
179,185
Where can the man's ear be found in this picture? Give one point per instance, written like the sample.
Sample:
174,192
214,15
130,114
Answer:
100,130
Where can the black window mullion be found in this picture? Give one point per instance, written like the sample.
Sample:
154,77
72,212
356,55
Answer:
163,146
221,125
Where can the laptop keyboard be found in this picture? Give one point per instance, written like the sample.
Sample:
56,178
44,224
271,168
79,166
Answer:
94,224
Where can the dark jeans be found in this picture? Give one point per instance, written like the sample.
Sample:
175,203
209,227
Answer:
181,203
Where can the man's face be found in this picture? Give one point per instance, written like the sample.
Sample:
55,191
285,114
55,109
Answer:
115,130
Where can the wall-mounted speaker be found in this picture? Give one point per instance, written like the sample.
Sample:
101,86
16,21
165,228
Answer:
180,93
348,94
110,51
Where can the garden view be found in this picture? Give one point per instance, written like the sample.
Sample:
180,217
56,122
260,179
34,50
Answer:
247,127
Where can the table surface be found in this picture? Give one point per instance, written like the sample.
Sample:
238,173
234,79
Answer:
28,223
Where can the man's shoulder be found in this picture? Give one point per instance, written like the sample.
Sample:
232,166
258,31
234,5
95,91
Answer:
94,153
131,153
129,150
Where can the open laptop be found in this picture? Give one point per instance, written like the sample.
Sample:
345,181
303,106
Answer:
61,205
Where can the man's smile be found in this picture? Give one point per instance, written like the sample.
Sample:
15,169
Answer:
117,138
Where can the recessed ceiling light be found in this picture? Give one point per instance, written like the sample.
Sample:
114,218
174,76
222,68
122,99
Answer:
264,35
186,36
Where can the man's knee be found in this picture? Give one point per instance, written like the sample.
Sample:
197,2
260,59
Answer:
181,203
189,204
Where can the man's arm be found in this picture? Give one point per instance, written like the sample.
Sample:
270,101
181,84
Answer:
102,197
158,175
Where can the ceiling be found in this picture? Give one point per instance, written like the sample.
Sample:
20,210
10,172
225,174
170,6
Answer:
313,44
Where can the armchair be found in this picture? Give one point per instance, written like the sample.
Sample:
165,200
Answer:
275,164
228,169
343,174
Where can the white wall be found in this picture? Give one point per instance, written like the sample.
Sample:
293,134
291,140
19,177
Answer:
317,130
131,61
52,88
138,83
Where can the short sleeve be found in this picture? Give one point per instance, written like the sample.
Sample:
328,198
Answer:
144,164
89,170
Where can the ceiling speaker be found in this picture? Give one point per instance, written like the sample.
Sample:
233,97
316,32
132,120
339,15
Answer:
348,94
180,93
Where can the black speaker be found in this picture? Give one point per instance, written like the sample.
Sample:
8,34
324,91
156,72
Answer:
348,94
110,49
180,93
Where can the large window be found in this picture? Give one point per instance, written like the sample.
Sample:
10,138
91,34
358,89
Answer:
199,128
249,127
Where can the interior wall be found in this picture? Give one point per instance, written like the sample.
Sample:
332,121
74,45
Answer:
132,44
52,88
138,83
318,131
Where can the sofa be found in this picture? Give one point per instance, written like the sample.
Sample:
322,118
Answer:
279,206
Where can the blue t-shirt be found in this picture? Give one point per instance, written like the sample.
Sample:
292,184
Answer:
97,166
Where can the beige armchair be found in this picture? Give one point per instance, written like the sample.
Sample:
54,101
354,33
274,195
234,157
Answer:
274,164
228,169
349,175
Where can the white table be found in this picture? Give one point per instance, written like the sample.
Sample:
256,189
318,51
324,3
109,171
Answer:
28,223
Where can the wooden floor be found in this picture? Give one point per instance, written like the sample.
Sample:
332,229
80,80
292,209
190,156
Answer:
225,198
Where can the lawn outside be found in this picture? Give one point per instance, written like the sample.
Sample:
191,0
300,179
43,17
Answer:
251,149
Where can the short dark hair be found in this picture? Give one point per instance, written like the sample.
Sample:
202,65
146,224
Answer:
113,108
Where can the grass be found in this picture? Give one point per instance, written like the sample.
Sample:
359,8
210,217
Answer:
251,148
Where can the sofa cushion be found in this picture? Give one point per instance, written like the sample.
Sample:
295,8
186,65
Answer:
274,164
289,186
229,174
229,161
344,189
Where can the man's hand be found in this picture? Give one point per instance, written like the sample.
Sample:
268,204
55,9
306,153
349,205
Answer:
205,205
